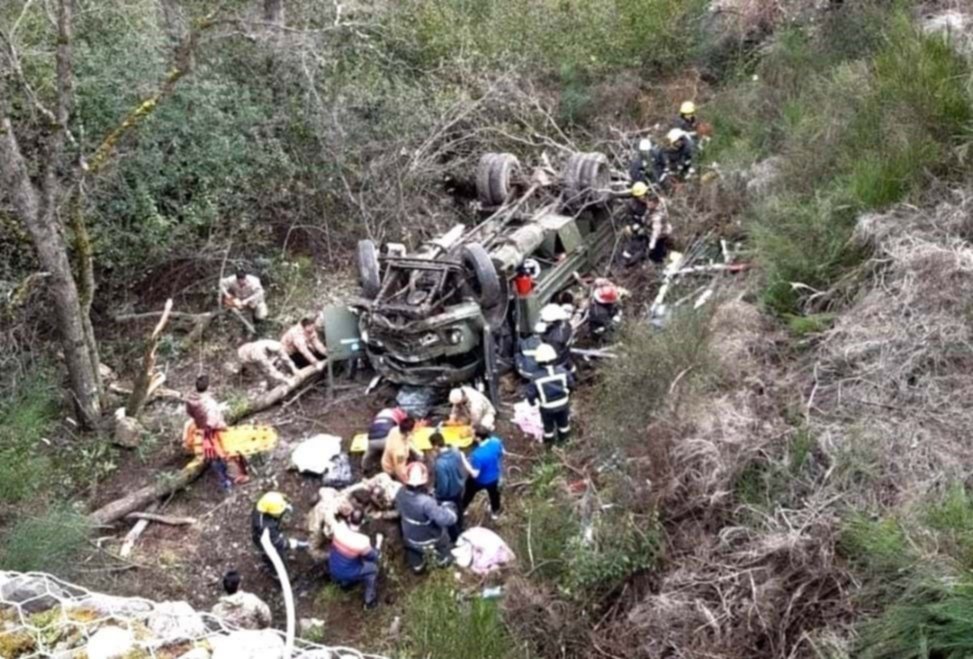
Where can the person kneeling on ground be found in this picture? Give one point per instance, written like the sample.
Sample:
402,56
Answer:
352,558
450,478
303,345
240,609
382,425
471,408
485,466
267,516
265,355
424,522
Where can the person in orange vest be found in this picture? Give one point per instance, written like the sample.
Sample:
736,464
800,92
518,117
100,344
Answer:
207,415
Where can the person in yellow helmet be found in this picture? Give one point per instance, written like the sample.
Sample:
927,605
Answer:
686,120
644,210
266,517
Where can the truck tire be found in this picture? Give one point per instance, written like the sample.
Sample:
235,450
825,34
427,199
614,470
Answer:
368,272
486,281
586,178
496,177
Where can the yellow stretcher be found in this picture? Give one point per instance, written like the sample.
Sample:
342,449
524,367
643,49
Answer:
236,440
458,436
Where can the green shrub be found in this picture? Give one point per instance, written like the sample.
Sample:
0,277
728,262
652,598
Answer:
629,393
25,417
548,528
438,624
50,542
618,545
952,517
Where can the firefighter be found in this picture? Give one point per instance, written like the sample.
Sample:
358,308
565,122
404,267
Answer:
649,163
604,312
267,516
424,521
558,333
686,120
680,153
551,390
243,291
527,352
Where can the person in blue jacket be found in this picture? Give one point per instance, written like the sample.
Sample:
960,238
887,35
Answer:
485,467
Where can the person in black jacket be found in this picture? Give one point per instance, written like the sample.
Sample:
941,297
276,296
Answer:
266,517
687,118
649,163
551,391
558,333
680,154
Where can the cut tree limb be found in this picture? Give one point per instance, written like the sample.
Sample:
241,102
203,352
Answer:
165,484
134,534
279,393
162,519
156,390
143,383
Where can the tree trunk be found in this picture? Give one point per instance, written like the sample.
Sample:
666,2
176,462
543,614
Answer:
164,485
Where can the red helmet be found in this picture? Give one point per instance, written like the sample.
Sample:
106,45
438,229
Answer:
606,294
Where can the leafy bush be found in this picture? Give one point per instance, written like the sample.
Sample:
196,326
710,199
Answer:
438,624
50,542
618,546
549,527
952,517
24,419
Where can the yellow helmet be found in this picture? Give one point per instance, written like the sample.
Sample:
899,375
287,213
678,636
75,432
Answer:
687,108
639,190
273,504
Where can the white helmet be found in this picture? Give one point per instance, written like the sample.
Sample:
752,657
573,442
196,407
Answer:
645,145
416,474
456,396
675,135
552,313
545,354
540,327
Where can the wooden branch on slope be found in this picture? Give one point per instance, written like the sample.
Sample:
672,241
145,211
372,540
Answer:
143,383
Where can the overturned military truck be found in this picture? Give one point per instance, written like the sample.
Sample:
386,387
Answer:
447,312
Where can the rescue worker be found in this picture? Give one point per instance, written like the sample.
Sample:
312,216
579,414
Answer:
660,231
207,415
243,291
265,354
551,391
424,522
636,233
240,609
485,467
526,351
383,423
302,344
679,154
267,516
604,312
352,558
649,163
686,121
376,493
399,450
558,333
471,408
450,479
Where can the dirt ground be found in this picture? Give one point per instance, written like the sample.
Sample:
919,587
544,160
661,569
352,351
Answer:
187,562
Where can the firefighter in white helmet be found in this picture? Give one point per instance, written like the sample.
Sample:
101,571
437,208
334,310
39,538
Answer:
550,390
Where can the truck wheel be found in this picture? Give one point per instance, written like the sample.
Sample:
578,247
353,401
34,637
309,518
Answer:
368,272
586,178
486,281
496,176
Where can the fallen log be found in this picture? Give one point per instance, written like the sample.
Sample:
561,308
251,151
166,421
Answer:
134,534
162,519
279,393
164,485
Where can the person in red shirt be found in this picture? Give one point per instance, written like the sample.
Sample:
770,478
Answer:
207,415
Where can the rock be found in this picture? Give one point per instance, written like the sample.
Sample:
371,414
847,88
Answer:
107,605
110,643
248,644
176,620
128,432
763,176
195,653
33,594
955,26
308,626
